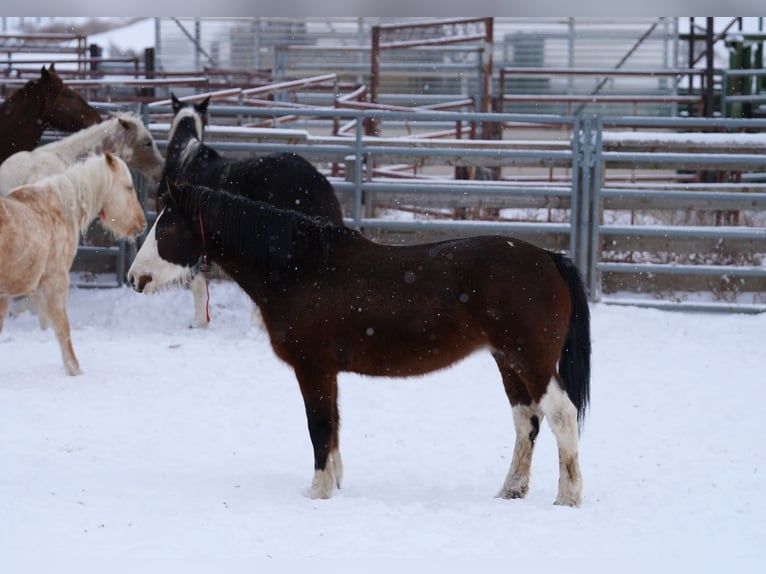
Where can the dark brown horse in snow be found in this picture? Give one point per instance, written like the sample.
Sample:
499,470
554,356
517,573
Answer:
335,301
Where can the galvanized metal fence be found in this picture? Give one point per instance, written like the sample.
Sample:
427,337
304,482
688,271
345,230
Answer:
654,211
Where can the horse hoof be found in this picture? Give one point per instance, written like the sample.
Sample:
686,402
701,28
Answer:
511,494
515,486
573,503
322,485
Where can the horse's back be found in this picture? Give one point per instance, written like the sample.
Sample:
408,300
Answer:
285,180
26,167
13,171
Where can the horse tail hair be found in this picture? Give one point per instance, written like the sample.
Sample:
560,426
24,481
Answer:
574,363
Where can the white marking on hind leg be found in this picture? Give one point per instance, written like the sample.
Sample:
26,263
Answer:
325,481
562,418
516,483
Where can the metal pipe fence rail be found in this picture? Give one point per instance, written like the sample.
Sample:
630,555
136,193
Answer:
715,257
697,244
361,191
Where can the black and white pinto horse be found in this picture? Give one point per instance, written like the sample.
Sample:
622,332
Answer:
285,180
334,301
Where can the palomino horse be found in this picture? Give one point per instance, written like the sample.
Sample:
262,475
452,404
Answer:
285,180
36,106
335,301
123,134
40,225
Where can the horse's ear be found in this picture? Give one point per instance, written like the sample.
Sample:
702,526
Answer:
52,68
202,108
44,72
176,103
171,189
110,161
125,124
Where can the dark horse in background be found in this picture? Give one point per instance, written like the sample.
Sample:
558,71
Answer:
285,180
38,105
335,301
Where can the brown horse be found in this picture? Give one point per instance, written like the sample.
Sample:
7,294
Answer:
37,105
40,225
334,301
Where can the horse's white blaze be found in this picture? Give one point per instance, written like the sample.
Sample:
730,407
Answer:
562,418
186,112
152,269
516,483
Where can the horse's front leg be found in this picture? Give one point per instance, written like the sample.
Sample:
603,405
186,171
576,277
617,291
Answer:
5,302
52,301
527,422
320,397
199,292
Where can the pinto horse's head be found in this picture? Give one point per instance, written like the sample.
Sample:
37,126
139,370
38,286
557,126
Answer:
170,253
193,114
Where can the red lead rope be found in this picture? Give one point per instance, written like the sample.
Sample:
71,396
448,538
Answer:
204,267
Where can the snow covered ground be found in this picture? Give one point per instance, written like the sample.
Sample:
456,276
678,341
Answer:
191,446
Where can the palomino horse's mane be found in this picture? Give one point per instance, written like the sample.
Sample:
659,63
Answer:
82,187
259,232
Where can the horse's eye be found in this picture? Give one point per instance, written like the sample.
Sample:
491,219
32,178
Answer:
148,143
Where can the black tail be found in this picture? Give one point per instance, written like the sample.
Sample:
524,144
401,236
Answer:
574,364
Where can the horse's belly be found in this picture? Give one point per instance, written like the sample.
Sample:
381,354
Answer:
20,270
24,256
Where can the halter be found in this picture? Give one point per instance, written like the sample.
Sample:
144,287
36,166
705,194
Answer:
205,267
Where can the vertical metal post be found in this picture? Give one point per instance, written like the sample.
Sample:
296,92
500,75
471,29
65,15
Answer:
257,43
158,38
570,53
372,124
197,42
586,181
594,210
709,67
575,199
357,203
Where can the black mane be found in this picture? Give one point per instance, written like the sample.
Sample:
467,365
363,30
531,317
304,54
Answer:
285,180
257,232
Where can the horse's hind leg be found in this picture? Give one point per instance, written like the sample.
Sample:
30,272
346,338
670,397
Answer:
35,306
526,418
562,418
52,301
320,396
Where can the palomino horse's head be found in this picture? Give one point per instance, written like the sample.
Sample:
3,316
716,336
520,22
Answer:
121,212
134,143
170,253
